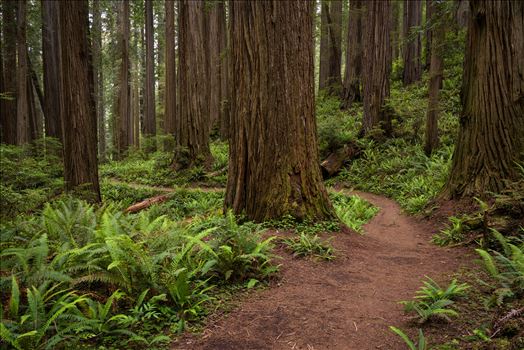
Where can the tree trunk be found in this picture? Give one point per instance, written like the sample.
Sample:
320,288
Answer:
224,65
22,92
123,121
149,103
8,115
170,74
435,80
192,128
377,67
273,167
353,75
216,50
330,59
429,32
80,144
52,75
395,29
98,79
491,136
324,46
412,65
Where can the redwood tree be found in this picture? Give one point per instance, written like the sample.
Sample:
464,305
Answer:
491,136
412,51
149,100
170,74
123,116
377,66
8,104
23,135
80,144
353,74
99,79
192,127
273,162
330,45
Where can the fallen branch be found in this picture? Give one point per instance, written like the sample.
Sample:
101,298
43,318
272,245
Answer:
146,203
334,162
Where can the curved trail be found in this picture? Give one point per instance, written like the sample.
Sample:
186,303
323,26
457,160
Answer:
345,304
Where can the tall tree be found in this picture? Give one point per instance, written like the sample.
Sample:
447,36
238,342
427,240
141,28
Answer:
491,136
8,98
396,33
52,74
80,144
412,52
224,70
435,72
353,74
170,74
273,162
330,46
98,74
22,88
429,32
377,66
192,127
149,100
123,120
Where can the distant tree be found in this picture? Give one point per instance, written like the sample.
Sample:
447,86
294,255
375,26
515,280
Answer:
98,74
396,32
353,75
435,73
330,46
377,66
149,101
170,74
52,74
273,162
123,134
224,70
192,128
491,136
429,32
80,143
412,51
23,135
8,99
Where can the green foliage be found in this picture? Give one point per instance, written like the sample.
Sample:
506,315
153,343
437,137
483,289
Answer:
453,233
421,344
352,210
310,245
506,267
124,194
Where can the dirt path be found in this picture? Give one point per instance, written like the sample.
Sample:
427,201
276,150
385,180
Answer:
345,304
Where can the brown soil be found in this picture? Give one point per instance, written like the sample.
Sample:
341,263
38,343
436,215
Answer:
344,304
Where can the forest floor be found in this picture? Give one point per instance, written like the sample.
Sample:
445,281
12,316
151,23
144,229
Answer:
347,303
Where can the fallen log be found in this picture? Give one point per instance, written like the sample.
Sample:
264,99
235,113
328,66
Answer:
146,203
336,160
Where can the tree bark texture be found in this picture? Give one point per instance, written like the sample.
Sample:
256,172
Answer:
353,74
491,136
435,80
377,66
52,74
413,48
8,114
395,28
98,79
330,46
149,103
192,127
170,74
123,118
80,143
273,163
224,70
22,91
429,32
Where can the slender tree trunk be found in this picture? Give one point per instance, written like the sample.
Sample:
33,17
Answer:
274,168
412,52
149,103
192,127
170,74
429,33
395,29
435,80
353,75
330,61
123,117
22,92
325,43
491,136
224,65
52,75
98,70
36,104
215,52
8,114
80,144
377,66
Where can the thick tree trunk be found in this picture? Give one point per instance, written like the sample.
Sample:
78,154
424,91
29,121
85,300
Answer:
273,167
412,51
8,115
377,66
224,65
98,79
52,75
353,75
22,92
149,103
170,74
491,136
192,128
80,144
435,80
123,117
331,54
